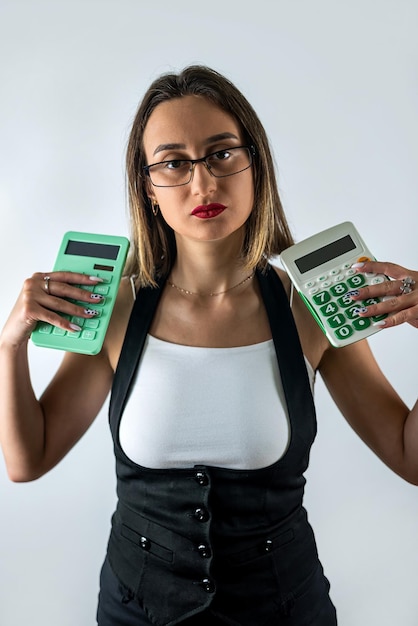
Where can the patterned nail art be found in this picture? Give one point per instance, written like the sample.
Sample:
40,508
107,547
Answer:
91,312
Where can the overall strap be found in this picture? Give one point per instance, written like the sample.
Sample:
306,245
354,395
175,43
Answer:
140,320
288,348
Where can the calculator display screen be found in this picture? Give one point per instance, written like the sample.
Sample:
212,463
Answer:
97,250
326,253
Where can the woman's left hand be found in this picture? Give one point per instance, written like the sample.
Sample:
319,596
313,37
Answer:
398,297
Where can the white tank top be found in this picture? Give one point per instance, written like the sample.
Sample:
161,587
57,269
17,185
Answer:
208,406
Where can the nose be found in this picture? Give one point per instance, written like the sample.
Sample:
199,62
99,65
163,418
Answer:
203,182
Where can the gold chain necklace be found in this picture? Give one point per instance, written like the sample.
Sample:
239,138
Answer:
213,293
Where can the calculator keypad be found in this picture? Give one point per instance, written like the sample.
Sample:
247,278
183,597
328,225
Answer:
338,312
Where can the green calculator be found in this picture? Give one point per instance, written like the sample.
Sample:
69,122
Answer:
94,255
320,269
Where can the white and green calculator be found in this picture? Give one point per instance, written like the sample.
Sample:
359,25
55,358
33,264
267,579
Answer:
94,255
320,269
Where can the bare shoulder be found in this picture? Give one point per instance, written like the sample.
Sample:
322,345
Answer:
119,321
314,343
284,278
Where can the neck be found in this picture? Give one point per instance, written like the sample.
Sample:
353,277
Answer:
208,267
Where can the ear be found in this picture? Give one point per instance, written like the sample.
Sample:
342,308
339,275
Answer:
150,190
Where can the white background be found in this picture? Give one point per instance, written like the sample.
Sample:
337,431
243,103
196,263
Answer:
336,86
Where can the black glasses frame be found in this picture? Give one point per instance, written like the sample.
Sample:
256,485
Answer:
251,150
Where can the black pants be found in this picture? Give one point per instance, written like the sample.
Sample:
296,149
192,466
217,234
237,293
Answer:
117,607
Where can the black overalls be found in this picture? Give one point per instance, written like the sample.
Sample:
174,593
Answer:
235,543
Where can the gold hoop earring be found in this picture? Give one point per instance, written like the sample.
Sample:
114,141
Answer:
155,207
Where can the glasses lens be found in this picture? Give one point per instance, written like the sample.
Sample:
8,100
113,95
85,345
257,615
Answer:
229,162
179,172
170,173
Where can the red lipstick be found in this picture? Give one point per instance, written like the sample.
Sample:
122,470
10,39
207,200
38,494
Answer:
205,211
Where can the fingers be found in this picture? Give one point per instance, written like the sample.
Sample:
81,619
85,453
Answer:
396,298
69,285
48,298
391,270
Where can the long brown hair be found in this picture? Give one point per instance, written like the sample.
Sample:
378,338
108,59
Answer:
153,247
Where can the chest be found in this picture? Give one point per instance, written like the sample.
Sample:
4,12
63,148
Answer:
211,322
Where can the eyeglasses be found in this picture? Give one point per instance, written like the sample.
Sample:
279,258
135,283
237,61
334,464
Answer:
219,164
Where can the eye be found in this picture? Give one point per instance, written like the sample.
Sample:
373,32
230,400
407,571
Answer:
222,155
174,165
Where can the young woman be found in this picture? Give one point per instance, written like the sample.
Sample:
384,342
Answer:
211,363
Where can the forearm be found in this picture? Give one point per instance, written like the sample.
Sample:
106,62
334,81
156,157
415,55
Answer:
410,442
22,425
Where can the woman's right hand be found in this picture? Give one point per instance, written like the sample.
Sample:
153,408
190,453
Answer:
46,298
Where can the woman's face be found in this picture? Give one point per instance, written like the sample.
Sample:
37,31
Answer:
207,208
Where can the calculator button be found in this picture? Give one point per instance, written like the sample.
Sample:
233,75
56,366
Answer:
59,331
45,328
346,266
336,320
74,334
322,298
321,278
313,290
329,309
334,272
353,312
101,289
88,334
94,323
107,278
338,278
344,332
361,323
369,274
356,281
77,320
350,272
371,301
339,289
309,284
345,301
377,318
325,284
377,280
86,287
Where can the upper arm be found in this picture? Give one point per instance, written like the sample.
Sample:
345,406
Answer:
81,385
367,400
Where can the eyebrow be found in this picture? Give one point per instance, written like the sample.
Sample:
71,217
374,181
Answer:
182,146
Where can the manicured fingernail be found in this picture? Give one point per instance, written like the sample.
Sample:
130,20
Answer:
355,292
380,324
96,296
357,265
75,327
97,279
91,312
362,309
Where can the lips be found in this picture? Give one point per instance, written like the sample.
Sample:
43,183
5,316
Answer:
206,211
